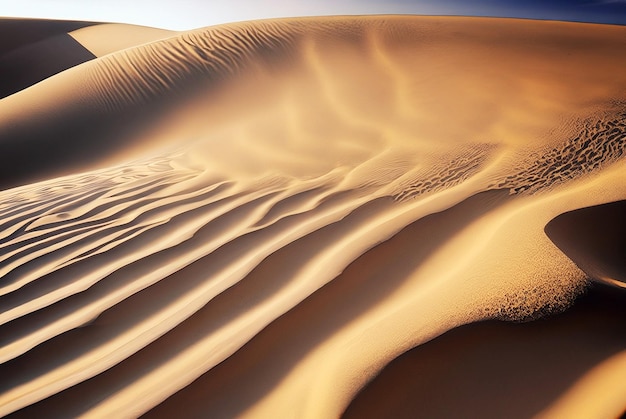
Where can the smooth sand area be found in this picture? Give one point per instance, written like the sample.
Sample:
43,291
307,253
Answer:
112,37
256,219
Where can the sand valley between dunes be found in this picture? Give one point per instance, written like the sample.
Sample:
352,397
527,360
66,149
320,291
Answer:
284,218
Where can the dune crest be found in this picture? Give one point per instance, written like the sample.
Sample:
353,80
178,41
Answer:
254,219
32,50
595,238
106,38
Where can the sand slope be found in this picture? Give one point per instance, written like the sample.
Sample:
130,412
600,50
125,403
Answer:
595,238
254,219
106,38
32,50
556,357
16,32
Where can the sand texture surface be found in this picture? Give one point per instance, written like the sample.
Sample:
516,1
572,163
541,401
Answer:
315,217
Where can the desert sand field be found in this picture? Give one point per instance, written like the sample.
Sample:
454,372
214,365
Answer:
383,216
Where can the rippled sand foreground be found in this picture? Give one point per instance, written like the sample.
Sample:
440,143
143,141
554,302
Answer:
261,219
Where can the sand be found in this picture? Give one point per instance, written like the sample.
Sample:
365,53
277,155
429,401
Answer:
16,32
257,219
557,357
106,38
32,50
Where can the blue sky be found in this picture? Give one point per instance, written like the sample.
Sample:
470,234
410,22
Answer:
189,14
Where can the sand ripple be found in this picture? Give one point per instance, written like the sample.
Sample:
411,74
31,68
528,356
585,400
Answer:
296,204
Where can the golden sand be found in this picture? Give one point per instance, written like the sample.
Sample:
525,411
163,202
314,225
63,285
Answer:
255,219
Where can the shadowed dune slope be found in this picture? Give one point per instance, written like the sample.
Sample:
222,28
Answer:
594,238
30,64
450,376
255,219
33,50
16,32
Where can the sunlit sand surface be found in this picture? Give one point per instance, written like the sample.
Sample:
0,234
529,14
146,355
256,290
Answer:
104,39
256,219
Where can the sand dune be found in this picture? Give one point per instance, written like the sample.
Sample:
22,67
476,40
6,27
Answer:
32,50
595,238
106,38
16,32
255,219
449,376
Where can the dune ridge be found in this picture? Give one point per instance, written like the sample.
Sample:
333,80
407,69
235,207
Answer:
17,32
107,38
37,61
503,360
594,238
255,219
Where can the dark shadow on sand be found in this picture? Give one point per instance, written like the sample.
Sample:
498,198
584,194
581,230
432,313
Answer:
32,63
18,32
595,239
498,370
